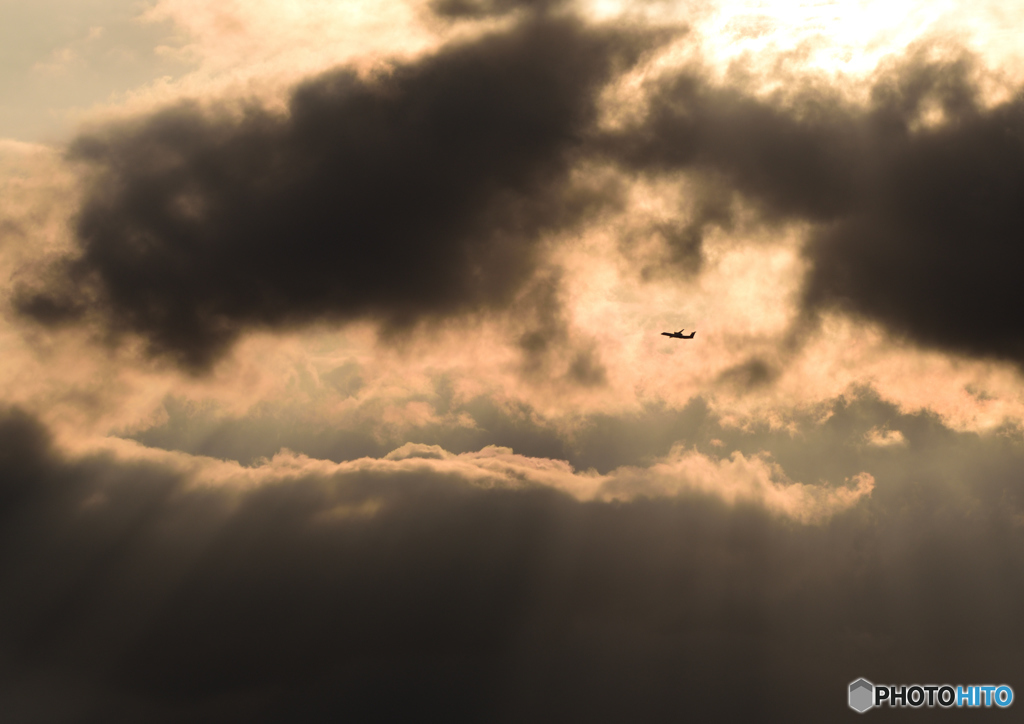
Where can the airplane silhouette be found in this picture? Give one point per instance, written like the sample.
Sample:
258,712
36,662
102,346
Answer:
679,335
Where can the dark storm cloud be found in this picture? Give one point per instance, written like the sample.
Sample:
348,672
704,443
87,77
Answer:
414,195
798,159
421,194
127,596
934,244
919,225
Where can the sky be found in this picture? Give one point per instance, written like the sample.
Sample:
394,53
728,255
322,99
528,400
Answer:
333,384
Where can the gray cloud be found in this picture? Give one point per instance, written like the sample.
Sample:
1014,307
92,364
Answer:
917,223
421,195
127,593
486,8
932,244
415,195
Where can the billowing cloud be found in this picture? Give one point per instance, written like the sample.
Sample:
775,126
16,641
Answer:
419,193
735,480
914,197
930,244
422,193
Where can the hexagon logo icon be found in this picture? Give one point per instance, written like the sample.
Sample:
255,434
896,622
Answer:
862,694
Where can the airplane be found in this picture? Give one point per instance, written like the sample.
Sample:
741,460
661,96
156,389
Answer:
679,335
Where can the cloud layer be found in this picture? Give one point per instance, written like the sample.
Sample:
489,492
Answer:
423,192
421,450
168,588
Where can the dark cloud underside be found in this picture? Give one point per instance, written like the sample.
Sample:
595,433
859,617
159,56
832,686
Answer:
422,194
418,194
125,596
935,248
919,224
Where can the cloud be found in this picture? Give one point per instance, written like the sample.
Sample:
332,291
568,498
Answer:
245,230
501,495
755,479
418,194
738,479
885,438
929,247
911,197
484,8
143,584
